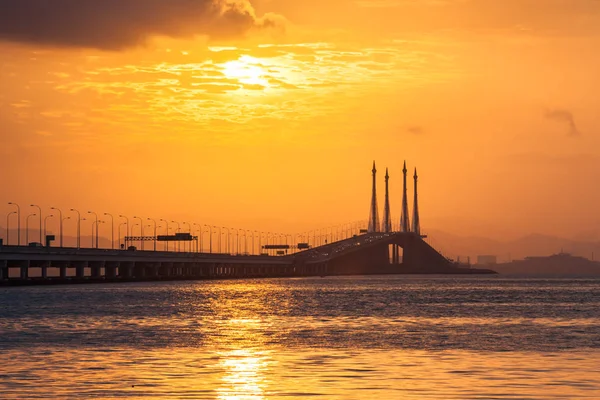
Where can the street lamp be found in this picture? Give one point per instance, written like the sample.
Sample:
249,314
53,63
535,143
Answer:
198,243
120,225
190,245
46,223
227,238
112,229
27,228
291,249
127,227
210,236
166,241
8,226
62,221
18,222
39,208
153,220
95,225
259,241
85,219
237,240
61,224
178,230
141,232
245,241
219,228
95,215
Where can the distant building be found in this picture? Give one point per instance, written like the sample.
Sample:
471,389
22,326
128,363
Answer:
487,260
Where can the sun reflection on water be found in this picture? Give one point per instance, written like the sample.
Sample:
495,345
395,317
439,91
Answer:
245,359
245,376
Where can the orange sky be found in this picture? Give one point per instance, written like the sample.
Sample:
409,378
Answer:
270,115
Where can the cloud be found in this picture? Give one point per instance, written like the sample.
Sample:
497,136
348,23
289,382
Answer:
117,24
565,117
415,130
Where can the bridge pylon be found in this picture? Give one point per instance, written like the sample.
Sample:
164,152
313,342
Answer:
374,213
416,224
404,221
387,218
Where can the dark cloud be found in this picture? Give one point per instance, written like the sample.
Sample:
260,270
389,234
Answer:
565,117
415,130
116,24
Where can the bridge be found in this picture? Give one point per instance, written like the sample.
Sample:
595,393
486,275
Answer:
376,250
369,253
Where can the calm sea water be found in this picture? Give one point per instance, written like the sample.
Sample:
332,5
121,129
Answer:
387,337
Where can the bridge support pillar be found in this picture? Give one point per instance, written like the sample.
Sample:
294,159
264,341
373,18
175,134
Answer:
152,270
25,270
80,269
165,269
62,268
96,267
110,270
44,268
178,269
126,269
139,270
3,270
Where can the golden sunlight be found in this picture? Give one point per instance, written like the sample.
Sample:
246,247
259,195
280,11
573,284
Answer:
246,70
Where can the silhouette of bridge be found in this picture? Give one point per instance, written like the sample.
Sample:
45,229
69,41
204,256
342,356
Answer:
376,250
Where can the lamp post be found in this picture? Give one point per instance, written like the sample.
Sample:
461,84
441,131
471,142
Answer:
8,226
95,225
112,229
190,245
167,227
18,222
120,225
126,229
252,248
27,228
60,215
209,236
178,230
198,244
259,242
245,241
39,208
132,228
96,216
219,228
153,220
227,238
46,224
141,232
236,240
213,230
62,222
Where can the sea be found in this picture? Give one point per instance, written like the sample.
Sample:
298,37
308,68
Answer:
356,337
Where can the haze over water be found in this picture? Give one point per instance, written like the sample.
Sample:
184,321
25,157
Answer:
343,338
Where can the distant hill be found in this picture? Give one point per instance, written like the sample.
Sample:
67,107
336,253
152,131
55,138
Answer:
531,245
557,264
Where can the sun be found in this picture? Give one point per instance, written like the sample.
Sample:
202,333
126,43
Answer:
246,70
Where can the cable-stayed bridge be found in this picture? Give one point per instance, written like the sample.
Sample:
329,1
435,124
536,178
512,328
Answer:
375,250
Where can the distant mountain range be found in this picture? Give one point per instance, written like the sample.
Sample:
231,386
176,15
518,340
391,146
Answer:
451,245
454,246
